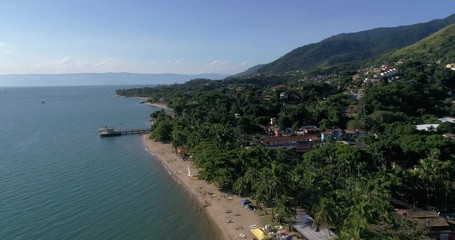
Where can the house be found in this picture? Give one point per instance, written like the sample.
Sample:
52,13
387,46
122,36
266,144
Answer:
351,134
297,143
427,127
389,73
308,130
308,127
338,134
430,219
447,119
281,86
331,135
284,95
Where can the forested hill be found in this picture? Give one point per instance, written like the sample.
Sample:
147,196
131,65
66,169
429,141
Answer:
352,48
439,47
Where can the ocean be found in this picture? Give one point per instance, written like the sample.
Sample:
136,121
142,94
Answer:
60,180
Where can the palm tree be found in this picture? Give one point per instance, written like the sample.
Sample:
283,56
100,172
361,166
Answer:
435,175
262,189
324,213
284,209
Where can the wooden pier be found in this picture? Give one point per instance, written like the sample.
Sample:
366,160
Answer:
111,132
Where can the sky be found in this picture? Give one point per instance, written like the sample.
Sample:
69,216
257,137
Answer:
183,36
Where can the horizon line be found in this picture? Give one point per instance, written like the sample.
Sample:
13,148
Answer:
165,73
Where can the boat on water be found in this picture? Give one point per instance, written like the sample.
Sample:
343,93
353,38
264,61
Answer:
109,132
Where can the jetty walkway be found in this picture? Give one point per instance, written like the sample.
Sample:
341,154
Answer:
110,132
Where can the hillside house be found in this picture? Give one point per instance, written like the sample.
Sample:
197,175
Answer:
447,119
434,127
329,135
308,130
299,144
351,134
430,219
427,127
277,87
389,73
338,134
284,95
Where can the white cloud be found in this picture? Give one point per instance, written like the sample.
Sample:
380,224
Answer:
67,62
225,67
176,61
107,63
5,48
180,61
219,62
72,65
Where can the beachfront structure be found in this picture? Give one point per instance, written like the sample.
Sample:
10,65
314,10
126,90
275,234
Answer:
110,132
303,223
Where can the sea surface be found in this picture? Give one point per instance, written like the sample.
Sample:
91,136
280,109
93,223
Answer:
60,180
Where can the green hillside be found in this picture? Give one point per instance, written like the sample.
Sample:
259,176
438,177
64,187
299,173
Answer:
353,48
439,47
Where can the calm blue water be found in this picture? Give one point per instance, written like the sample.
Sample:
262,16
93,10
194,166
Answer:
60,180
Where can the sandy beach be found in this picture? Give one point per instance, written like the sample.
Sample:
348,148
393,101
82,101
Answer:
158,105
153,104
226,213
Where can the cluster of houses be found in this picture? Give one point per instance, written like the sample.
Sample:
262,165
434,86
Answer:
434,126
306,137
379,73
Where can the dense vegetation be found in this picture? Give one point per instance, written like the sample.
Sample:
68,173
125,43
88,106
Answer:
439,47
346,187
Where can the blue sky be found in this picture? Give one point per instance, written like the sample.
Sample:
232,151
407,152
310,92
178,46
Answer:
182,36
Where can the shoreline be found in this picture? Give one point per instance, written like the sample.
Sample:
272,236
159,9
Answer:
153,104
158,105
226,215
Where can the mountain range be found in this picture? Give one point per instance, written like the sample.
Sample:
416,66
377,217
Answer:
88,79
351,49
